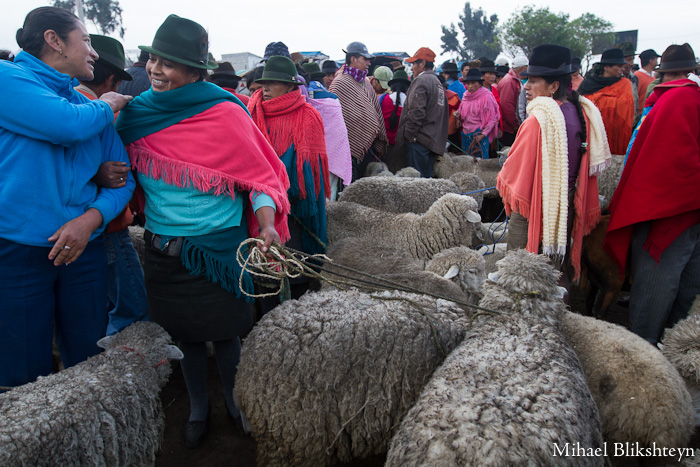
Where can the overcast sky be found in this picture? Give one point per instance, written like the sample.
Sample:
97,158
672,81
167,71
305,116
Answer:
384,26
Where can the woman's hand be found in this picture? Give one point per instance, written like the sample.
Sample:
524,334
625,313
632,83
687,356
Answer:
266,219
115,100
112,174
480,137
70,240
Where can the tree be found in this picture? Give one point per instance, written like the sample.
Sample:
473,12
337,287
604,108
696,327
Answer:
479,35
532,26
105,14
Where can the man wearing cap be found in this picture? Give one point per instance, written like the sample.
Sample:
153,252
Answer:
614,98
424,121
126,287
449,71
380,79
509,91
655,212
648,59
361,111
226,78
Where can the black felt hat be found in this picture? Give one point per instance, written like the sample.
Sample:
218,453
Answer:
549,60
502,70
575,64
183,41
613,57
487,66
329,66
449,67
473,75
225,69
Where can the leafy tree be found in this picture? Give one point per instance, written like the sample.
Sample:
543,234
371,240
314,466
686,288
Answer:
530,26
105,14
479,35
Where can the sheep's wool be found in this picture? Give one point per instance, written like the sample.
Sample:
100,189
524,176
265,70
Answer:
328,377
555,173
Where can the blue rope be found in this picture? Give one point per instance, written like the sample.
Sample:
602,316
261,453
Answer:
479,191
492,232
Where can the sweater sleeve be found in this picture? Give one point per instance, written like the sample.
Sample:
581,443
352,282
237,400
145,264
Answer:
30,109
111,201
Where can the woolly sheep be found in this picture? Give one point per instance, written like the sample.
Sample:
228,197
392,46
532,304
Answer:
449,164
328,377
487,170
492,254
408,172
136,234
448,223
491,232
640,396
457,273
375,168
608,180
401,194
512,392
468,183
104,411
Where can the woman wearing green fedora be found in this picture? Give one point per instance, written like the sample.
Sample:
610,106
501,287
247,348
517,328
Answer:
295,131
209,180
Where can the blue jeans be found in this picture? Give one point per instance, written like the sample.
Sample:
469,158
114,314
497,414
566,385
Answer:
420,158
662,293
126,290
38,296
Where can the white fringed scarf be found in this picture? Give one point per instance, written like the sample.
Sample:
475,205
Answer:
598,147
555,174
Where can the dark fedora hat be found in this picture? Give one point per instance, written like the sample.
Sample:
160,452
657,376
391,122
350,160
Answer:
487,66
613,57
225,69
678,58
502,70
279,68
399,76
474,74
111,54
575,64
183,41
449,67
549,60
313,70
329,66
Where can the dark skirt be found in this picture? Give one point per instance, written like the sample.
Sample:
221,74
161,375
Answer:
189,307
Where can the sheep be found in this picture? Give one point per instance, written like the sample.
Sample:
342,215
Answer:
104,411
513,392
490,233
470,184
457,273
375,168
487,170
416,195
327,378
449,222
608,180
681,346
492,254
640,396
449,164
136,234
410,172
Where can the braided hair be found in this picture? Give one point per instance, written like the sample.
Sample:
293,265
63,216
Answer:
398,87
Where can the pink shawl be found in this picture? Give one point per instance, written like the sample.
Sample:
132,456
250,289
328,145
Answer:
479,110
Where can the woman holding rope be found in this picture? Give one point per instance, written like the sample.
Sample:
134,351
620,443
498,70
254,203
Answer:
548,183
479,114
210,180
295,131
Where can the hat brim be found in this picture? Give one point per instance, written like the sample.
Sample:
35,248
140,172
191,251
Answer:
282,79
316,75
225,74
118,72
398,80
673,70
207,66
613,62
487,70
367,56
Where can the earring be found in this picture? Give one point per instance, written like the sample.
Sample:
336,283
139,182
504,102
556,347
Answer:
60,51
551,94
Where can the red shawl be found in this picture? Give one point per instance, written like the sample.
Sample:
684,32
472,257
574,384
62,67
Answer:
662,175
219,150
287,120
520,185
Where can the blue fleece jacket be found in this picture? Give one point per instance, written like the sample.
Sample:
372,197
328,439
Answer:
52,141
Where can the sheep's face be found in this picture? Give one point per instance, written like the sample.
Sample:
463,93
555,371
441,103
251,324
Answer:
462,265
521,272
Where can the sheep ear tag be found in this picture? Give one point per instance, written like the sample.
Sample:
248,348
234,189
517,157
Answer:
493,276
473,216
174,353
454,270
104,343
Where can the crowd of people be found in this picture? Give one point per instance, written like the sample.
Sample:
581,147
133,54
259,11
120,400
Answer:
204,159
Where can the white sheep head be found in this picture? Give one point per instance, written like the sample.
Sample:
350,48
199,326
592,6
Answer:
462,265
150,342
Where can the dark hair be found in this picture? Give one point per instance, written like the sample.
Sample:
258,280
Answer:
398,87
429,65
5,54
30,37
563,94
224,81
645,61
253,75
349,56
463,65
102,73
452,75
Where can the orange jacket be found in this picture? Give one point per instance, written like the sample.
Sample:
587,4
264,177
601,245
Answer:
616,105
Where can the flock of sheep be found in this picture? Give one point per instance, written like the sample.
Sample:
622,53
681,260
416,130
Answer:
469,360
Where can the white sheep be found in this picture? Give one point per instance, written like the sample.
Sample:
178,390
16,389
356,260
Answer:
375,168
104,411
640,396
492,254
608,180
513,392
136,234
408,172
328,377
448,223
456,273
449,164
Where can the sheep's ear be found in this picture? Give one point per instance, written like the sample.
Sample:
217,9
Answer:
454,270
493,276
562,292
174,353
473,216
105,342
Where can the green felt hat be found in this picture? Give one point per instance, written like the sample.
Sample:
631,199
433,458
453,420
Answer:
313,70
111,54
399,75
281,69
183,41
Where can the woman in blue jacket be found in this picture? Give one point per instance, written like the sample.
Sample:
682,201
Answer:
52,140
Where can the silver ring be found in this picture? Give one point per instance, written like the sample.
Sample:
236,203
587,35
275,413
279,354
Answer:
66,247
121,179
